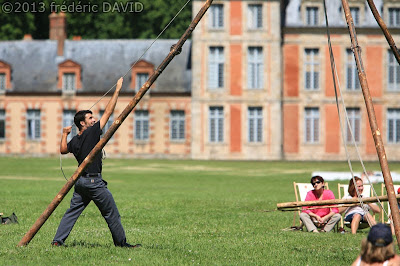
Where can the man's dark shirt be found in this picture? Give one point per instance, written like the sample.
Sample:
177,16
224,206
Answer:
82,145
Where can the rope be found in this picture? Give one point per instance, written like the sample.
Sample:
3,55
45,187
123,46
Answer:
148,48
336,77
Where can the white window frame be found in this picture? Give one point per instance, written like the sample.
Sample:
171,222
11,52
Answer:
394,16
393,75
255,124
393,125
356,14
2,124
141,78
254,16
216,124
255,68
311,125
177,125
216,67
312,15
217,16
3,82
142,125
33,124
311,69
68,120
69,82
352,80
354,115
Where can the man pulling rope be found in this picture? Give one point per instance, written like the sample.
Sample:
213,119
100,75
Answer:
90,186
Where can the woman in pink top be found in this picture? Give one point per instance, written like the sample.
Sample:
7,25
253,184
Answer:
324,217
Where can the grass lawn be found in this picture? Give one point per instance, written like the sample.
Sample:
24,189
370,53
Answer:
182,212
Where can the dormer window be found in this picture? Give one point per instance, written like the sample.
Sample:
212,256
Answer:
69,84
141,72
2,82
5,77
69,77
355,13
141,78
312,18
394,17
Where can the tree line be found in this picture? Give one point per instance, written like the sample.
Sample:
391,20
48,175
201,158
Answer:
95,19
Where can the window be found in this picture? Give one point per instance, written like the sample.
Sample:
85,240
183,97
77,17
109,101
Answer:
109,122
216,124
177,125
141,78
69,82
312,16
216,68
2,124
254,20
311,65
255,68
255,124
217,16
352,81
393,73
393,125
2,82
33,120
355,13
355,124
311,118
142,125
394,16
68,120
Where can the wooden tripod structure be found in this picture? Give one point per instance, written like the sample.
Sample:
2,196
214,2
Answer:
175,50
380,149
391,196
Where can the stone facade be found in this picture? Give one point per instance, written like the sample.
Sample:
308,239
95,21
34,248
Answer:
254,83
235,37
302,40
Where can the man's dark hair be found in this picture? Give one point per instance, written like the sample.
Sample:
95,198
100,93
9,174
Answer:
80,116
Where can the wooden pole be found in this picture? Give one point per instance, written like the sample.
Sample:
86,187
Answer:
175,49
380,149
385,30
294,204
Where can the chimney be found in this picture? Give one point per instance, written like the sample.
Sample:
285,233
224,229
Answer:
27,37
58,30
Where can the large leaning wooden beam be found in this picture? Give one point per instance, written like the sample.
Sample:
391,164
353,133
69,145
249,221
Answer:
294,204
103,141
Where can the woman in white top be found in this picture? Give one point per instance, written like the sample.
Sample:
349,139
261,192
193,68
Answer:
356,214
378,248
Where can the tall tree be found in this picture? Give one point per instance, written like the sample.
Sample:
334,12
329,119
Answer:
14,22
96,19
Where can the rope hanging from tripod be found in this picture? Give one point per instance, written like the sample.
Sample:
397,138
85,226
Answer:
335,77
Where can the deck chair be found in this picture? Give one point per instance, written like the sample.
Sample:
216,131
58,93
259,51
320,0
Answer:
366,193
396,187
300,191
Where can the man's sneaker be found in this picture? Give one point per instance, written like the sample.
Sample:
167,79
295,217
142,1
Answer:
131,246
56,244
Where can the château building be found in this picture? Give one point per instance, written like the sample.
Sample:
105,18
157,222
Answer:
253,83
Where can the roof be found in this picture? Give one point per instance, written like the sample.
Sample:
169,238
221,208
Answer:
35,63
335,14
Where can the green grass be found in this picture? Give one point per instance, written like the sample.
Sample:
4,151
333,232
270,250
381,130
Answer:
182,212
